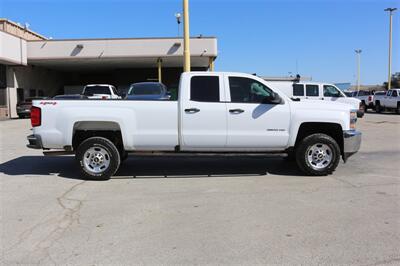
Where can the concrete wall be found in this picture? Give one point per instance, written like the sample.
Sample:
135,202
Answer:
19,31
31,78
12,49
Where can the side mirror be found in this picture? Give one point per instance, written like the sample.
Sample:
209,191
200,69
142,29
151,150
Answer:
274,98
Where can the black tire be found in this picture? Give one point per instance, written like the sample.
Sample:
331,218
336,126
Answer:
104,147
378,107
291,156
398,108
123,155
363,107
302,153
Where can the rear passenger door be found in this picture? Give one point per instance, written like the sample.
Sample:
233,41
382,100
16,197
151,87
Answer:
393,99
203,114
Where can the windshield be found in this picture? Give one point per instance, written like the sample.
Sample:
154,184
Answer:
91,90
145,89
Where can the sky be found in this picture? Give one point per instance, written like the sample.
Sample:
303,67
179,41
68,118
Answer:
270,38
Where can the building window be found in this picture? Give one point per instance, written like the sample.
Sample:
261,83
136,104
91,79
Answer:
204,89
32,93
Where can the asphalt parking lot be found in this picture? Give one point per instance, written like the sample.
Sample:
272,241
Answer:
208,210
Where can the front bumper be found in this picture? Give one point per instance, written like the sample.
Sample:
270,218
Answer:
35,142
351,143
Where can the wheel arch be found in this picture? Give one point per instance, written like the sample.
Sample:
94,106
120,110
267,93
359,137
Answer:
333,130
110,130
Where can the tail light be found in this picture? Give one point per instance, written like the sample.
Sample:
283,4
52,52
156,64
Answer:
36,116
370,98
104,97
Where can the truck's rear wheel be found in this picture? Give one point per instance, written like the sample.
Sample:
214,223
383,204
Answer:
318,155
378,107
98,158
363,107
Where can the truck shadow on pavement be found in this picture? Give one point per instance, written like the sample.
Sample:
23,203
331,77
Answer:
157,167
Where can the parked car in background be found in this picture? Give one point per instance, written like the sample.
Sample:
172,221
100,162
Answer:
24,107
318,91
100,91
390,101
349,93
70,97
366,98
148,91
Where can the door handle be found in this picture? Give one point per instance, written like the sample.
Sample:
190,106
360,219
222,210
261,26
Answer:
192,110
236,111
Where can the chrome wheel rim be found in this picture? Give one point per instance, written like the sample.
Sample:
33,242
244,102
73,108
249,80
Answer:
96,160
319,156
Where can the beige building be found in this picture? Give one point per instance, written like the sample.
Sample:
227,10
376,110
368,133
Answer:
32,65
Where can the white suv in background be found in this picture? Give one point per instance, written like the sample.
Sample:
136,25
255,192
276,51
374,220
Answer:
318,91
100,91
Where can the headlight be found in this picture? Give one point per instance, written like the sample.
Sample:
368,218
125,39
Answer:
353,119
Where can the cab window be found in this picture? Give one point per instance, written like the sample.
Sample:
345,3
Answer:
246,90
331,91
312,90
394,93
298,90
204,89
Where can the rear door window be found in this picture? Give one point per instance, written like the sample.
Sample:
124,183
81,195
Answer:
204,89
312,90
298,90
91,90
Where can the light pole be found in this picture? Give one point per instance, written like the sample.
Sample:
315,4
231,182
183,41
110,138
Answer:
358,52
186,38
178,21
390,10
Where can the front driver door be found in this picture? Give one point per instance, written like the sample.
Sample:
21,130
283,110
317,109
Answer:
252,124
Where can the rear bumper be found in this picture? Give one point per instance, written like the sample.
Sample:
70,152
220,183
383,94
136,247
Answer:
351,143
35,142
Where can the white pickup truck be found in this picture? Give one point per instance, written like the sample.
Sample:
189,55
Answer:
215,113
389,101
318,91
100,91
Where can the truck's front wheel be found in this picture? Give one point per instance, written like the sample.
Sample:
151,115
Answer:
318,154
98,158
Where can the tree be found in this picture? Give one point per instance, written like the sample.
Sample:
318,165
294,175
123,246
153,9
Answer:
395,82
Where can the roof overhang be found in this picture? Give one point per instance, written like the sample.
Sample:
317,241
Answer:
119,53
